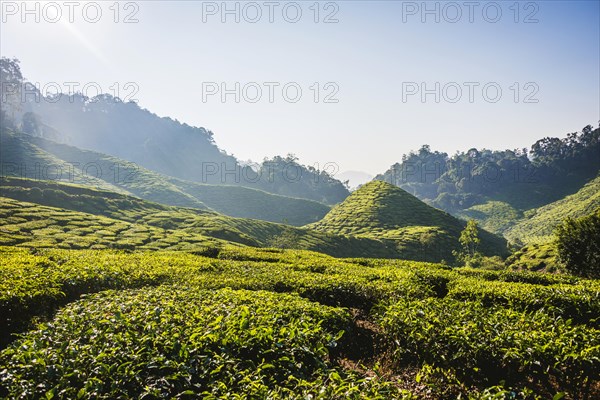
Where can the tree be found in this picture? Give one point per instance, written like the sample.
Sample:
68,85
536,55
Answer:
11,81
578,244
469,242
287,239
31,124
469,238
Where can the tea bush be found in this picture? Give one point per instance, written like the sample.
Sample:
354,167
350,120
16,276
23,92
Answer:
492,345
482,334
182,343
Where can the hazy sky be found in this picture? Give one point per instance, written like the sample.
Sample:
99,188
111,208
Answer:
375,61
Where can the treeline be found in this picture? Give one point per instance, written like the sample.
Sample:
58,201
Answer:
287,177
524,178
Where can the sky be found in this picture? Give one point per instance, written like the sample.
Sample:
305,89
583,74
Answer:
354,84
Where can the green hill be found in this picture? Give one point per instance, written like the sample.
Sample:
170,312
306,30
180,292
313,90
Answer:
539,223
32,225
36,214
384,211
37,158
24,155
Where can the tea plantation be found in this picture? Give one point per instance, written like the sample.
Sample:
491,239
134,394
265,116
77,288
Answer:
240,322
380,210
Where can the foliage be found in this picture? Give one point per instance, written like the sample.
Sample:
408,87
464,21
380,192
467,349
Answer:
169,342
10,90
553,167
494,216
540,257
286,176
192,333
288,239
471,343
469,239
578,243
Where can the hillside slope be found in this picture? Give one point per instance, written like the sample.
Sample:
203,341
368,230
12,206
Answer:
32,225
494,216
243,202
384,211
539,223
33,157
33,211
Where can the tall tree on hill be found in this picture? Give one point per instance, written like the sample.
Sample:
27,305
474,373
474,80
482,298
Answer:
469,239
11,81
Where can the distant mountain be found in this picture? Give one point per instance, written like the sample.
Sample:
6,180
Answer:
287,177
122,129
23,155
383,211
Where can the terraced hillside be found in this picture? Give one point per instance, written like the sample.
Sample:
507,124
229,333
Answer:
37,213
538,224
31,225
23,155
383,211
539,257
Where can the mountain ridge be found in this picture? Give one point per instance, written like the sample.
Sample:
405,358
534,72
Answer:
121,176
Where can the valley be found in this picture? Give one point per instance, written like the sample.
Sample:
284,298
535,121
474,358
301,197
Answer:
139,260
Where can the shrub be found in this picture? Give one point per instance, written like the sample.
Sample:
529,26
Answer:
578,243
